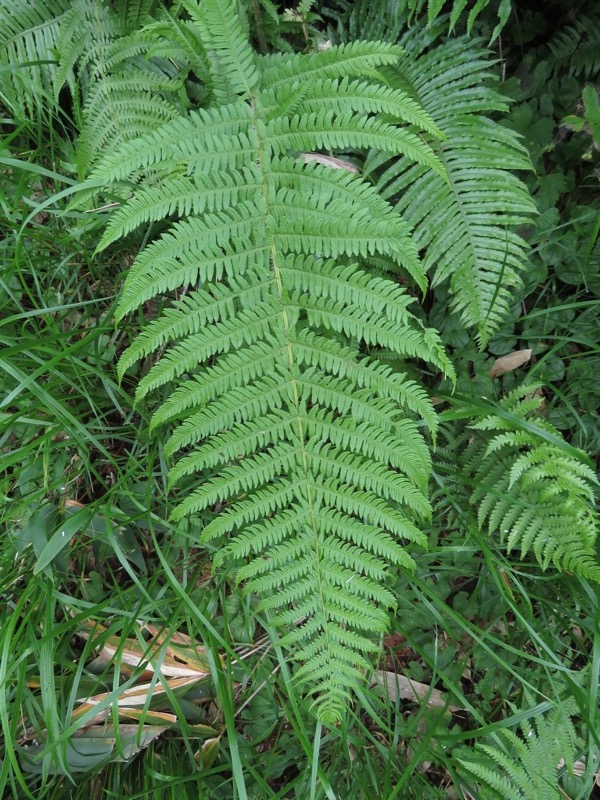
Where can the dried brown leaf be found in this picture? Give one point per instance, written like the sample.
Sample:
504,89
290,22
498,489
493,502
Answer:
329,161
510,362
398,686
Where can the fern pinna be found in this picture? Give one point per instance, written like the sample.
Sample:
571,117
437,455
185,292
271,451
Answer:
315,454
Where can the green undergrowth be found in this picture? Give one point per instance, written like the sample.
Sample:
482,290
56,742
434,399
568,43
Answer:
133,660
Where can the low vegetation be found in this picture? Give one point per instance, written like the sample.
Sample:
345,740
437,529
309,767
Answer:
299,410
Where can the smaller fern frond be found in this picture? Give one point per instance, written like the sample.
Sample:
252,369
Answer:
466,223
136,12
119,89
178,40
524,765
29,36
576,48
388,18
536,495
88,29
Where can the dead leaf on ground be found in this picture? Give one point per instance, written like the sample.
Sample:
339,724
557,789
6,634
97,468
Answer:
180,664
329,161
138,696
398,686
174,654
510,362
207,756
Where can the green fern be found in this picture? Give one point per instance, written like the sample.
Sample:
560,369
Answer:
532,489
29,34
121,88
465,225
576,48
525,767
314,452
378,18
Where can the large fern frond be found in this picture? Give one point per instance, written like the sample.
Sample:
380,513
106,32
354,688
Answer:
318,467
